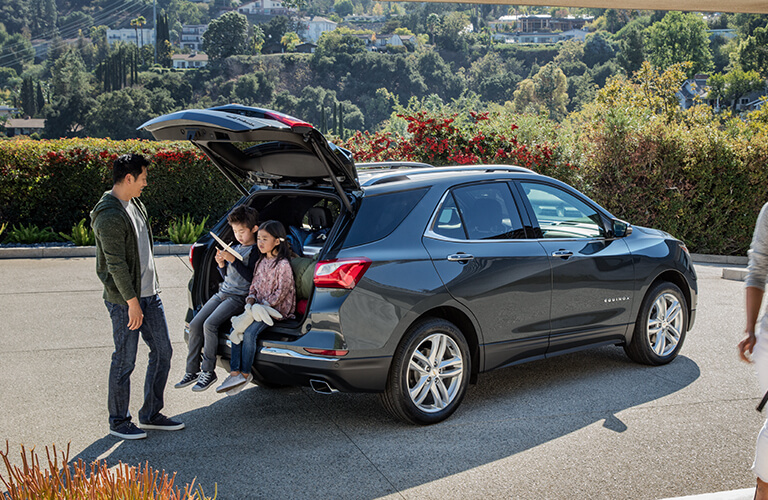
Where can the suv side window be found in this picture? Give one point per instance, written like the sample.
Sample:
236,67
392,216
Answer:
480,212
379,215
560,214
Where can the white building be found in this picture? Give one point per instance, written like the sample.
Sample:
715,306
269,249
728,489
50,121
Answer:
128,35
311,29
192,36
265,7
186,61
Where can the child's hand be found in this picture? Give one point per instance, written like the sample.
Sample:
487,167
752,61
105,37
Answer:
227,256
219,258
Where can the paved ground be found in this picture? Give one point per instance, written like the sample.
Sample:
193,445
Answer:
588,425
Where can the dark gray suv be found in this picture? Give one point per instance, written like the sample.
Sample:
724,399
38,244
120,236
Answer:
413,279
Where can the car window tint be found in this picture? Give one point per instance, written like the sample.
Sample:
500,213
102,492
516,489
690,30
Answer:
380,215
448,222
488,211
560,214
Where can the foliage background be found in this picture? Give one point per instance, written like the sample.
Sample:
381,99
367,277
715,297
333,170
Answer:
56,183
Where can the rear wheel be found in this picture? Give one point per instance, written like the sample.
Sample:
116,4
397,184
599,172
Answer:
660,327
429,373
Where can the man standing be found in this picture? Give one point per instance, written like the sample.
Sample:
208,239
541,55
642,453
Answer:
125,264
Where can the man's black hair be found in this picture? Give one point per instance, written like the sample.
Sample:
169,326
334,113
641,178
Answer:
128,164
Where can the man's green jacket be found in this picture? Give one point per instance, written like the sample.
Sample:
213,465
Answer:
117,248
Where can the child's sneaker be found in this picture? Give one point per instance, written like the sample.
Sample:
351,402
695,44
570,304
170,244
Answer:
240,387
231,382
205,380
189,379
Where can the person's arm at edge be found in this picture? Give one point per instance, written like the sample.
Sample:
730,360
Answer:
755,282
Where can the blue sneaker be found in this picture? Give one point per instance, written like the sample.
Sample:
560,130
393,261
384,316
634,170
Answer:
205,380
128,431
162,423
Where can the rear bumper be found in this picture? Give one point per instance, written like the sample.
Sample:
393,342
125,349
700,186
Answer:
286,366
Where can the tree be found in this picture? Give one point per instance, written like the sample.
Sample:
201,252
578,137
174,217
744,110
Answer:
137,24
552,90
226,36
630,55
597,50
546,91
752,53
343,8
290,40
71,102
734,85
17,52
132,105
276,28
451,32
679,38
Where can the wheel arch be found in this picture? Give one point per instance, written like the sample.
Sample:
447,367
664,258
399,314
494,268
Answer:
668,276
677,279
467,328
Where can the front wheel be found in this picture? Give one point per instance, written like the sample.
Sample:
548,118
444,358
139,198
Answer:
429,373
660,327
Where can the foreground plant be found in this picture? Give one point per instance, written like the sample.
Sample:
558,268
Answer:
185,231
31,234
86,481
81,235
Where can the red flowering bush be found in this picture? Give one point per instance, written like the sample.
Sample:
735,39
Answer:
56,183
443,139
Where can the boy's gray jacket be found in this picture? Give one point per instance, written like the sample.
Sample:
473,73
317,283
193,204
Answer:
117,249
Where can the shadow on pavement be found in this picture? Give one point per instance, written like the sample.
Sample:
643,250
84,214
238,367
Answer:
293,443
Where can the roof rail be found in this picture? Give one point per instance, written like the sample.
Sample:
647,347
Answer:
391,165
401,176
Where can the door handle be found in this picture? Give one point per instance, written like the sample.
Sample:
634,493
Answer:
563,254
460,257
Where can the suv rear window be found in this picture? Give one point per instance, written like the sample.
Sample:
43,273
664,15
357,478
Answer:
380,215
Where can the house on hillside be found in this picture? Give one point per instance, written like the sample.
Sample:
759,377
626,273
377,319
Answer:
192,36
7,110
191,60
129,35
24,126
265,7
695,91
310,29
547,23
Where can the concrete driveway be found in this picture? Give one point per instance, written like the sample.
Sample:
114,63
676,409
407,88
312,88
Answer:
586,425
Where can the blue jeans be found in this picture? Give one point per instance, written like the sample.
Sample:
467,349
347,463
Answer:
244,353
204,329
154,331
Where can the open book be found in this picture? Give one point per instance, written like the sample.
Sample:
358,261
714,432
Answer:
226,246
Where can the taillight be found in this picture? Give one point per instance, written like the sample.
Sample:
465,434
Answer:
191,251
327,352
340,273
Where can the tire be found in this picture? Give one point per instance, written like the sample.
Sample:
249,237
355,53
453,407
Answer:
660,327
429,373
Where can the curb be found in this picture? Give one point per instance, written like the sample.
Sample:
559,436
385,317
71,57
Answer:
84,251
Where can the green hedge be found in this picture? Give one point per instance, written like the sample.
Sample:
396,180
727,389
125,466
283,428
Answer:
56,183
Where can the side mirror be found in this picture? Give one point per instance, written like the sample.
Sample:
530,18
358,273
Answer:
621,228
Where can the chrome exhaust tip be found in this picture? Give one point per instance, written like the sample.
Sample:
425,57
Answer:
321,387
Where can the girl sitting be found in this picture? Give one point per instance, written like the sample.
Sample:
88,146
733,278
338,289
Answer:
272,286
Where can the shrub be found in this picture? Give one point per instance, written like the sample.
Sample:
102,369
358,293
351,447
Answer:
56,183
81,235
31,234
81,480
185,231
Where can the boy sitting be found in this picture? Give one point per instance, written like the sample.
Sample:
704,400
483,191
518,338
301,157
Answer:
228,302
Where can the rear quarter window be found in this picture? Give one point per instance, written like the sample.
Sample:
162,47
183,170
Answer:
379,215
